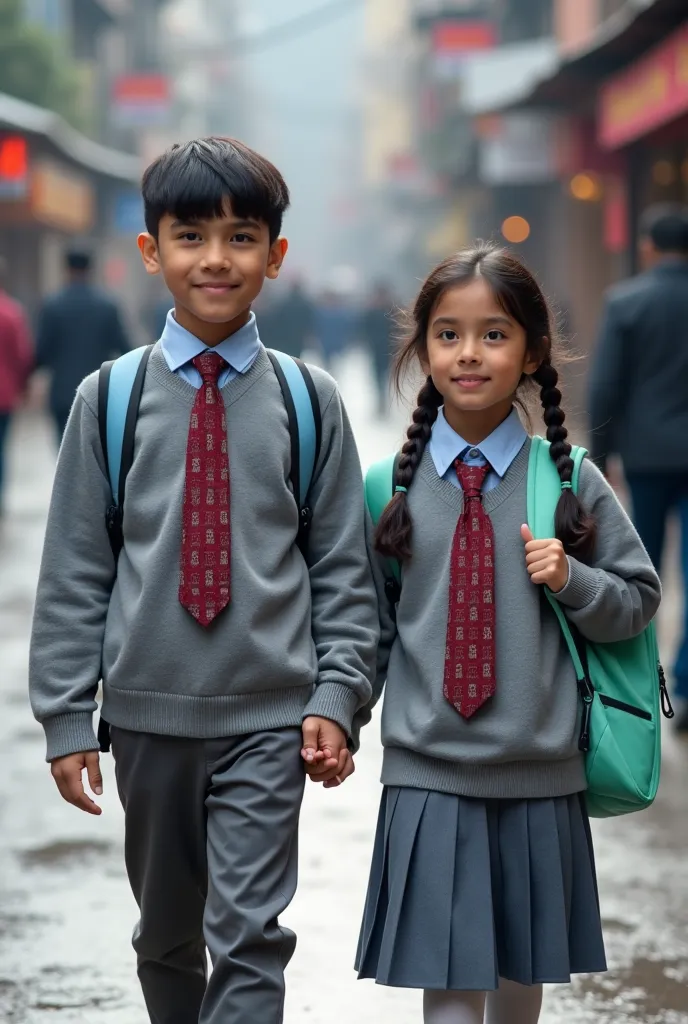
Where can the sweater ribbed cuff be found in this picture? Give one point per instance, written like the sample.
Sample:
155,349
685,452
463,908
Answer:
583,585
69,734
335,701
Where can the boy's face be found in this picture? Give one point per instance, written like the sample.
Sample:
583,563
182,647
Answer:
214,268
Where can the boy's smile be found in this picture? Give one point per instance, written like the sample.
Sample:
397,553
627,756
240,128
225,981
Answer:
214,268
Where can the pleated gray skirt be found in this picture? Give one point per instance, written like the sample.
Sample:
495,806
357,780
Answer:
465,891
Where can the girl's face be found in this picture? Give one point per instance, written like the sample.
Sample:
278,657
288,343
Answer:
476,355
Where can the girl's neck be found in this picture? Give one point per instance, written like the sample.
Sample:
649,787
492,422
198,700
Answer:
475,425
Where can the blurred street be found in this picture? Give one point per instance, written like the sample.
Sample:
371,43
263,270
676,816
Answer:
66,912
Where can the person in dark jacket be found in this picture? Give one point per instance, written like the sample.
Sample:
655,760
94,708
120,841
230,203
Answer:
639,391
78,329
293,320
377,329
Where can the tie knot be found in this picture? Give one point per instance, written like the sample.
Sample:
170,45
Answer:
471,478
210,365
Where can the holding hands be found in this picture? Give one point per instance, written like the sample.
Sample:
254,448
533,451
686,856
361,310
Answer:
325,752
546,561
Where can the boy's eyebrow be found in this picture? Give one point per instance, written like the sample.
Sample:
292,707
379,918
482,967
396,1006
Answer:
192,221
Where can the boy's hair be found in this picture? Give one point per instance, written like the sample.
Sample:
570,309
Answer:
194,180
518,293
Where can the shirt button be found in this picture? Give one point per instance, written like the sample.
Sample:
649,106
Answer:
474,453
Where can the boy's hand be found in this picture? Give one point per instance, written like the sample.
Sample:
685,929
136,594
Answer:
67,774
546,561
346,768
323,745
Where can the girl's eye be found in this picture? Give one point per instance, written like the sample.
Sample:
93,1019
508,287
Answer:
495,335
448,335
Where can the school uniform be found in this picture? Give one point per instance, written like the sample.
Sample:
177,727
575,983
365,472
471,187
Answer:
206,722
483,864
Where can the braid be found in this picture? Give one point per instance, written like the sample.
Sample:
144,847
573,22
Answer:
394,531
573,526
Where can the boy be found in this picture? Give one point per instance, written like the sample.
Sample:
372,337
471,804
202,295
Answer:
214,698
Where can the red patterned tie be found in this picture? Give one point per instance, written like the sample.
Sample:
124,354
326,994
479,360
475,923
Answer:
204,588
469,667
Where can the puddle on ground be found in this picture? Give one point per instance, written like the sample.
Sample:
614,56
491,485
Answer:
648,987
64,854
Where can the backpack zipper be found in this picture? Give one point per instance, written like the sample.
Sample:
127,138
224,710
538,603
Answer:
667,709
587,693
612,702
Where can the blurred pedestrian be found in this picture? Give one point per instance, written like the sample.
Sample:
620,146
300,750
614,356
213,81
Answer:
334,325
639,392
16,360
293,323
377,330
78,329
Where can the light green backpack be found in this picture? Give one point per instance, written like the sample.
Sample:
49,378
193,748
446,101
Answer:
621,684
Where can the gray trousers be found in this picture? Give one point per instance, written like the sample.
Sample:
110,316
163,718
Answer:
211,853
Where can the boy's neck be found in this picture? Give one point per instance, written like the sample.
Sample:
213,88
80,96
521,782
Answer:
210,334
475,426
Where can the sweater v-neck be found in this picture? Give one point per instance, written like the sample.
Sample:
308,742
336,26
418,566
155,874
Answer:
453,496
232,390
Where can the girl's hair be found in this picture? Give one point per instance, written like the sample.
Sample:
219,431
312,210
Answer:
521,298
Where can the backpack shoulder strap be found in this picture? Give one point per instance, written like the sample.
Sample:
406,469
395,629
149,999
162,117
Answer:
544,486
379,486
544,491
305,429
379,490
120,384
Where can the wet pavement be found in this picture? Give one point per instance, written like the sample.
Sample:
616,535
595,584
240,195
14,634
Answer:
66,912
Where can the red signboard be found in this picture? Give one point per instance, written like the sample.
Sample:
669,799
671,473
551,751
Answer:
647,95
14,166
142,99
458,36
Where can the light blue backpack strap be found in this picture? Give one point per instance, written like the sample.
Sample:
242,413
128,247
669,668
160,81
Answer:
544,491
379,489
121,381
307,412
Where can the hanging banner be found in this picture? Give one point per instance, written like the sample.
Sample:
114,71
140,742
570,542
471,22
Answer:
650,93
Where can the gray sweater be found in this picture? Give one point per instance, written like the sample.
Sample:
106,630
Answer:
297,639
524,741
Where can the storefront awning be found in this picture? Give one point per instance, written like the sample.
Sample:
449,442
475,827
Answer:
17,115
619,41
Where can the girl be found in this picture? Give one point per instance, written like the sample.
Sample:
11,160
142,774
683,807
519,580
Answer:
483,878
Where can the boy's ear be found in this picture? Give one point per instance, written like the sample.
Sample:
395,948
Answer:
278,251
150,255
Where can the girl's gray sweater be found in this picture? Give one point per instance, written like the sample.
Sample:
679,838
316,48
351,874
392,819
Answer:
524,741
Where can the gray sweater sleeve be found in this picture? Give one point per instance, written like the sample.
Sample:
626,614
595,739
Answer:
344,613
616,596
388,632
75,582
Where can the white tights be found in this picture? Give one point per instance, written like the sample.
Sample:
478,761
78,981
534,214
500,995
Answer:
509,1004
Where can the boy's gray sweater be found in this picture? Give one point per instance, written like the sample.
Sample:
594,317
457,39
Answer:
524,741
296,639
